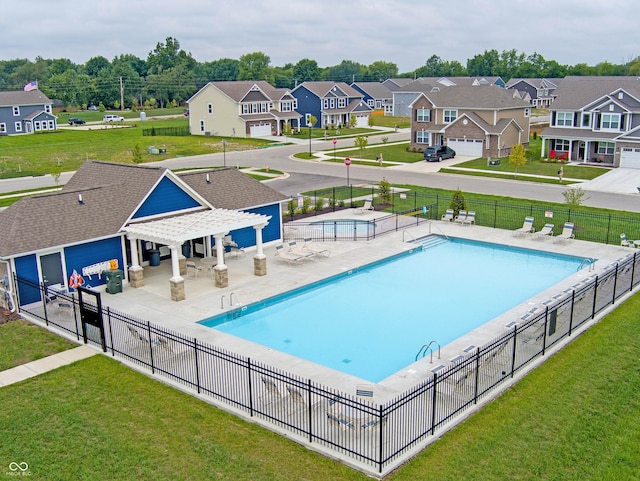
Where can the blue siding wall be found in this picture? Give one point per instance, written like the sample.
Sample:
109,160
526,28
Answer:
166,197
247,237
308,103
77,257
27,268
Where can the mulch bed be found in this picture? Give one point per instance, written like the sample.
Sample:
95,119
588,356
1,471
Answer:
6,316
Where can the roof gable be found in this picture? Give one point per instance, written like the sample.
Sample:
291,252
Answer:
166,197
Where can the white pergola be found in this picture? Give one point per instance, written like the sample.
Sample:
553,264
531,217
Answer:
175,231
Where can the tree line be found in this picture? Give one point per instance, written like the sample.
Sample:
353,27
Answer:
170,75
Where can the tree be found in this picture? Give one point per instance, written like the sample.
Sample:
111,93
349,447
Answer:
345,71
384,191
484,64
306,70
361,142
381,71
95,64
222,69
167,56
457,202
574,196
518,156
254,66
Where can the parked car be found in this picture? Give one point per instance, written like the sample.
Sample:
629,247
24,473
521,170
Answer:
112,118
92,107
438,152
75,121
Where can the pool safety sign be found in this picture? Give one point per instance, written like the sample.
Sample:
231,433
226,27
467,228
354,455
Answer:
548,213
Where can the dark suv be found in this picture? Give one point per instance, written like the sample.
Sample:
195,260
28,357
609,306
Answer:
438,153
74,121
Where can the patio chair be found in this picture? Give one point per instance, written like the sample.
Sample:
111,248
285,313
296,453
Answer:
470,219
527,227
567,232
547,230
310,246
624,242
368,205
448,215
193,268
460,218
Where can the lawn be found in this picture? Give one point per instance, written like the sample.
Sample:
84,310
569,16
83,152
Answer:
576,417
66,149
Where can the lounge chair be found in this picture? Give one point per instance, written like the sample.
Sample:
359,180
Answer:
368,205
470,219
298,250
287,255
567,232
273,393
460,218
311,246
626,243
547,230
448,215
527,227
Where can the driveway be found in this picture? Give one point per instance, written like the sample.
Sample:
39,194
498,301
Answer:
620,180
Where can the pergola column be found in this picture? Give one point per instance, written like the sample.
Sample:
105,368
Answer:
259,260
220,270
542,149
136,272
176,281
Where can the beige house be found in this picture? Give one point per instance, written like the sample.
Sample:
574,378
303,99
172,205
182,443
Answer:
242,109
474,120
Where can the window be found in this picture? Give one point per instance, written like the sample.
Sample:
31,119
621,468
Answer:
202,126
450,116
47,109
342,103
606,147
51,125
371,103
610,121
210,108
246,109
422,137
286,106
562,145
36,126
564,119
17,125
16,111
332,103
3,128
586,120
325,103
423,115
527,112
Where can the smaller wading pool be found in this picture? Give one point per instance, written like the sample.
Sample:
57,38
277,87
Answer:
370,322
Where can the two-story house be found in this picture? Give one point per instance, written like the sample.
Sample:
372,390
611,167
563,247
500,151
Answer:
376,95
242,109
595,119
474,120
25,112
541,91
334,104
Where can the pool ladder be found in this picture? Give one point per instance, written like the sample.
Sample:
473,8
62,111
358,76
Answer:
588,261
238,303
426,348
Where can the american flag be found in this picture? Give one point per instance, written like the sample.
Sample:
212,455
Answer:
31,86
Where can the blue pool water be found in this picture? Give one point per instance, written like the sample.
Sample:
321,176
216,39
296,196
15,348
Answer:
372,322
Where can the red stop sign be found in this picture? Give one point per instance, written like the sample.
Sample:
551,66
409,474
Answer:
347,161
335,141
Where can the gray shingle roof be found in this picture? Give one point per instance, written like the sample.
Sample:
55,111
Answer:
110,194
375,90
321,88
476,97
574,93
19,97
237,89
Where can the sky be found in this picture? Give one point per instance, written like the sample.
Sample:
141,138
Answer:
404,32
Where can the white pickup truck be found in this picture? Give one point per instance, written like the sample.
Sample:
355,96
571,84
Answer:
112,118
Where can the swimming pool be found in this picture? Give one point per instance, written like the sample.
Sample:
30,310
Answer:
372,321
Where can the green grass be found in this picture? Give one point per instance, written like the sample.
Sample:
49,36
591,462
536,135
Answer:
396,152
96,115
67,149
537,167
576,417
391,121
24,342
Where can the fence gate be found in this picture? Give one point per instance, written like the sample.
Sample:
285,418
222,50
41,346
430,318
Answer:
91,316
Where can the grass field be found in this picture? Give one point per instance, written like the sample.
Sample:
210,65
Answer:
576,417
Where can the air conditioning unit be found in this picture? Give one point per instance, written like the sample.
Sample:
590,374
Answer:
207,134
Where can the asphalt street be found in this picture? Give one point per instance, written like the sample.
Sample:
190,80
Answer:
306,175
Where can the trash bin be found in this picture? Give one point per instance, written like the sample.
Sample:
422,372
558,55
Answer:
186,249
154,257
114,281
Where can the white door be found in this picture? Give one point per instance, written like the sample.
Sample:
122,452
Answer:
630,158
260,130
362,120
466,147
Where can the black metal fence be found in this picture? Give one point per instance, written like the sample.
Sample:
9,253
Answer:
589,225
167,131
375,435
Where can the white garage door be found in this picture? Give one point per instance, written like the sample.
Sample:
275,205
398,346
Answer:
630,158
260,130
466,147
362,120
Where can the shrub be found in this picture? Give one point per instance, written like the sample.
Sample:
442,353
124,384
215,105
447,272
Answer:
306,202
291,207
384,191
457,202
319,205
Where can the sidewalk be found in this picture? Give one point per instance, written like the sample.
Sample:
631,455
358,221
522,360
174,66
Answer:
32,369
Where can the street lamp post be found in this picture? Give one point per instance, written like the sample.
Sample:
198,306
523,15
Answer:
224,152
309,127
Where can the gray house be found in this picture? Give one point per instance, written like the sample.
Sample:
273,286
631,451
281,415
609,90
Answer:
25,113
541,91
595,120
376,95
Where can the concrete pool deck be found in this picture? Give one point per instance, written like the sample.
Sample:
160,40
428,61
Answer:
203,300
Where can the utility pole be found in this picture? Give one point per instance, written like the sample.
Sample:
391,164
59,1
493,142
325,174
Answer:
121,95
